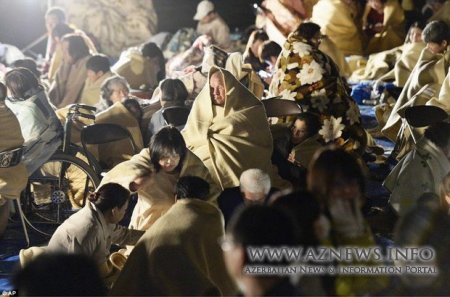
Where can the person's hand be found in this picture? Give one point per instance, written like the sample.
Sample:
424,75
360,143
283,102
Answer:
139,182
202,41
189,69
378,27
346,217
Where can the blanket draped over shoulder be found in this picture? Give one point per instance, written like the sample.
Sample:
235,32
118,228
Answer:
233,140
178,256
425,81
156,196
115,152
12,179
311,78
443,100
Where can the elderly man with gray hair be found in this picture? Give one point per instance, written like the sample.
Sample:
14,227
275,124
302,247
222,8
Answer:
255,185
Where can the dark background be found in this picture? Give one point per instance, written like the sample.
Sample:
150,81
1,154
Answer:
22,21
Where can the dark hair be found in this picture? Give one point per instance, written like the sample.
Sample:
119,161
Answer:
419,24
58,274
77,46
329,163
312,122
132,105
269,49
29,64
256,35
62,29
438,133
106,88
151,50
98,62
173,90
305,210
436,32
57,11
192,187
109,196
261,225
308,30
3,91
21,82
167,141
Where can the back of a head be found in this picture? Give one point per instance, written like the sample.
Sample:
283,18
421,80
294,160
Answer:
255,181
269,49
257,35
174,91
191,187
260,225
109,196
329,164
21,82
98,62
132,105
60,275
77,46
29,64
58,12
3,91
151,50
439,134
308,30
436,32
305,210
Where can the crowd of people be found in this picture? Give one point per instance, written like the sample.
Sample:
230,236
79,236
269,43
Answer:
229,177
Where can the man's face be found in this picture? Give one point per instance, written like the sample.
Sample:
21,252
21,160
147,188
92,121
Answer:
217,89
437,48
50,22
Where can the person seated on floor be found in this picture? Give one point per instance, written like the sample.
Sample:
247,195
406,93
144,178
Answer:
444,193
253,50
13,174
113,89
254,226
98,70
59,274
335,177
309,77
424,82
93,229
143,67
225,128
41,129
383,23
179,254
421,170
172,93
71,75
154,172
211,23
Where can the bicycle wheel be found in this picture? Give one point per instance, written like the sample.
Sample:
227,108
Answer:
58,189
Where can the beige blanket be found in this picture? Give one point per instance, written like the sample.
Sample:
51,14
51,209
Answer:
443,101
234,139
425,81
156,197
179,256
13,179
115,152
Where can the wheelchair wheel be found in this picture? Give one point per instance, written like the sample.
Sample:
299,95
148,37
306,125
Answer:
56,190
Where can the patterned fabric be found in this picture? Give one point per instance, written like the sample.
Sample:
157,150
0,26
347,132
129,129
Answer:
311,78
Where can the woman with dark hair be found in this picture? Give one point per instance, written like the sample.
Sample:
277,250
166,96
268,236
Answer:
93,229
337,180
41,129
71,75
311,78
172,93
142,67
154,172
252,53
